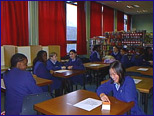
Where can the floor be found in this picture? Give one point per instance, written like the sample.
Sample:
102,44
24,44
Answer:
92,87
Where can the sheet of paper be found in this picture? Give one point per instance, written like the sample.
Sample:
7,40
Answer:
142,69
137,81
2,84
88,104
94,64
61,71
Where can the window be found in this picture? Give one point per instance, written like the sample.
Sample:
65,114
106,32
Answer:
125,22
71,18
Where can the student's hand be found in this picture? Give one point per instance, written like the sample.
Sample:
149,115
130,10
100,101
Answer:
51,71
63,67
104,98
70,67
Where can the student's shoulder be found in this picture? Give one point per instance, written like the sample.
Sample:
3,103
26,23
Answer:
129,79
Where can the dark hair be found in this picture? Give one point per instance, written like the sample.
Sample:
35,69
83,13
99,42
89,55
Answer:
120,70
124,49
96,47
116,47
73,51
52,54
18,57
39,57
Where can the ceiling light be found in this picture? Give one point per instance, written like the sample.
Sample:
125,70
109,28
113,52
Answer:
136,6
118,1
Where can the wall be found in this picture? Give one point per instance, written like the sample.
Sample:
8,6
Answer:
143,22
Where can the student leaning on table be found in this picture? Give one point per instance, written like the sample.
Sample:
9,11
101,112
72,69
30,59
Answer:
19,83
123,87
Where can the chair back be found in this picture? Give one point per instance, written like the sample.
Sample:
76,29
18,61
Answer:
30,100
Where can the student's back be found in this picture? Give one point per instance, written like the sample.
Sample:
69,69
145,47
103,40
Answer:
19,83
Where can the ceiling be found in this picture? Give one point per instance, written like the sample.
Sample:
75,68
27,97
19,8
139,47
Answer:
146,7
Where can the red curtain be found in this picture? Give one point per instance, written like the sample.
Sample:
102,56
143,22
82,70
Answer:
120,21
108,19
129,22
14,23
52,24
81,29
95,19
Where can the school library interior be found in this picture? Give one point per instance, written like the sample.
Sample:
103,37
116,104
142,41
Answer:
76,57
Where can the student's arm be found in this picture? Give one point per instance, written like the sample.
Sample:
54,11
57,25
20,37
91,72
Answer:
130,91
31,84
105,88
78,65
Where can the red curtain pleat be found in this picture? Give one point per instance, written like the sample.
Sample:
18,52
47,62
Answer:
52,24
129,22
81,29
120,21
14,23
108,19
95,19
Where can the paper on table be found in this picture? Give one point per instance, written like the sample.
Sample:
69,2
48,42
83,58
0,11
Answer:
137,81
61,71
94,64
88,104
142,69
2,84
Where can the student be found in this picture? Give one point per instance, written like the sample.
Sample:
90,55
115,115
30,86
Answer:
75,63
39,69
124,58
123,87
19,83
53,64
95,56
116,54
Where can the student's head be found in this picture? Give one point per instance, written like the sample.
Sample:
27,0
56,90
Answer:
19,60
123,51
115,49
53,56
73,54
96,48
42,56
117,72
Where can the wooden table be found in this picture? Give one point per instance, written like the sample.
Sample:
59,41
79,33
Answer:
145,87
63,105
101,67
67,74
134,69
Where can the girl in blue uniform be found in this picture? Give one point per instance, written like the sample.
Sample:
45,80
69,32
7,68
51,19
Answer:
40,69
75,63
53,64
116,54
19,83
123,87
95,56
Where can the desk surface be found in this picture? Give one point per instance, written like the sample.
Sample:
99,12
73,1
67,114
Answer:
68,73
143,86
99,67
63,105
134,69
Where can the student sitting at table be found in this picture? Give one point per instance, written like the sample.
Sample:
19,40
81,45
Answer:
95,56
116,54
39,69
75,63
123,87
53,64
124,58
19,83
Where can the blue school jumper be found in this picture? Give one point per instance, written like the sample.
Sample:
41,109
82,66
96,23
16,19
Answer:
77,65
94,57
52,66
116,56
18,84
41,71
125,61
127,93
